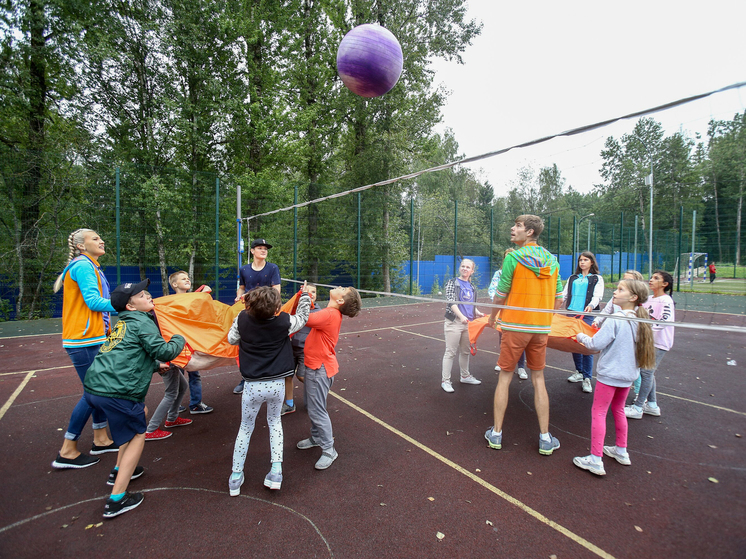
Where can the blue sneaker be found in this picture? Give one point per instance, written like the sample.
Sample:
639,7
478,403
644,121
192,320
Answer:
273,480
547,447
234,485
239,388
494,440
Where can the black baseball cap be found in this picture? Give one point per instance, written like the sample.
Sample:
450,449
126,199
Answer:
122,293
259,243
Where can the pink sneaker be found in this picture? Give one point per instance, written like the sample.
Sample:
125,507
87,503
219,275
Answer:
157,435
178,423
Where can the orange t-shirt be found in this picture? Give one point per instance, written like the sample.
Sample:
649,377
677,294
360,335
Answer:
325,325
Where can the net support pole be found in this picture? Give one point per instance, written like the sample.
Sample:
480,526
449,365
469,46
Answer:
612,253
621,243
549,235
635,264
359,224
574,238
217,237
559,236
295,234
492,234
238,231
411,243
119,237
691,257
681,229
455,236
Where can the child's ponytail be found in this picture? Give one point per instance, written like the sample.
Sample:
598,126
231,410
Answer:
644,348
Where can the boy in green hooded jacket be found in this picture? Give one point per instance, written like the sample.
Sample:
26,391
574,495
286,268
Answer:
118,380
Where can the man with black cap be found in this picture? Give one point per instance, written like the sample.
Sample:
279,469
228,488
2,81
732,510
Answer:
118,380
257,273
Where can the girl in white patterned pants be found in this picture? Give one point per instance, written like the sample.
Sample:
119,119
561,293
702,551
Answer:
254,395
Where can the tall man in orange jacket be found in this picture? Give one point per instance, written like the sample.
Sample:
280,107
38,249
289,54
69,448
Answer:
530,280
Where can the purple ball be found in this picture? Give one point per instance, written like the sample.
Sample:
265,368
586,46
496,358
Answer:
369,60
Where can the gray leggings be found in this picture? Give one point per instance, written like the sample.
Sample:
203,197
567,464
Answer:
175,387
647,384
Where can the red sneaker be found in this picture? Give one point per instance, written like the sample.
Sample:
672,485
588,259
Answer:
157,435
178,423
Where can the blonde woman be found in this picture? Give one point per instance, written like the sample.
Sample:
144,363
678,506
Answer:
456,327
85,325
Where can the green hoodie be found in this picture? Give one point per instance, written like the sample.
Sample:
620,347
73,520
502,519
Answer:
126,362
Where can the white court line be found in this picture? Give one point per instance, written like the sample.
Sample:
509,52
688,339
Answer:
512,500
222,493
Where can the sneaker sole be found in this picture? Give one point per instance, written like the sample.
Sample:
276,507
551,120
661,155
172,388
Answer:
548,452
622,461
589,468
125,509
172,426
304,447
97,452
200,411
159,438
494,446
656,413
63,466
581,380
272,484
288,412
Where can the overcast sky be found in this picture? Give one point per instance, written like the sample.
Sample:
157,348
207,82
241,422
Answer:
540,68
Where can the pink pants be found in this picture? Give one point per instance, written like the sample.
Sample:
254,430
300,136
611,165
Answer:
603,396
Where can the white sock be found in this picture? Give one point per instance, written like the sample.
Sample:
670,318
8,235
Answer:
236,475
596,459
276,467
546,437
621,451
500,434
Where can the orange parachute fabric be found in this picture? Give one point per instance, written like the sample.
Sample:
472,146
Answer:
561,337
204,323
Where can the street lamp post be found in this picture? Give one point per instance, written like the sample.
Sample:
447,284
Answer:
649,182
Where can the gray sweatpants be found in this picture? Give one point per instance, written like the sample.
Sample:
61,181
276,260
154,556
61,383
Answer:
316,389
175,387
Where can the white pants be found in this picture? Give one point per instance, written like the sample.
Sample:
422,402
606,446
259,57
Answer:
254,395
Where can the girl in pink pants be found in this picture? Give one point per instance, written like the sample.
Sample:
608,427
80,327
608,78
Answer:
625,346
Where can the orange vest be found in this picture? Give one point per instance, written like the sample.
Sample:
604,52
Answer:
530,291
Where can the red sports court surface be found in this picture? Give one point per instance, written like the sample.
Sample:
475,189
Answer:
414,477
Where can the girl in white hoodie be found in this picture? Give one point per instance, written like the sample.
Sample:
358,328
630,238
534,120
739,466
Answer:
625,345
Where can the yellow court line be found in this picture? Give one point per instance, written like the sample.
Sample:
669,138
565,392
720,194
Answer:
15,394
512,500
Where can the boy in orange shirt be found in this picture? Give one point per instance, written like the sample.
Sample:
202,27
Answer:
321,366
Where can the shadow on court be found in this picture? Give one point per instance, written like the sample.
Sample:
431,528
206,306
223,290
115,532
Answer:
414,477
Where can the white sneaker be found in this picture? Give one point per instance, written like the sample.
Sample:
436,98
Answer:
612,452
497,368
632,413
446,386
470,380
587,385
649,410
522,374
575,377
587,463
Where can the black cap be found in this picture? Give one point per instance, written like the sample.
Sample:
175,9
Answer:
259,243
122,293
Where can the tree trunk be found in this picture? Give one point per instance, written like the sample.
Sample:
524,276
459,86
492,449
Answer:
161,252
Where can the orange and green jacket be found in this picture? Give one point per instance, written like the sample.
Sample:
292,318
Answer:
530,279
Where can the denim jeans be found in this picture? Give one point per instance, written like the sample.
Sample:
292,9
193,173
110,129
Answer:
584,363
82,358
195,388
647,386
